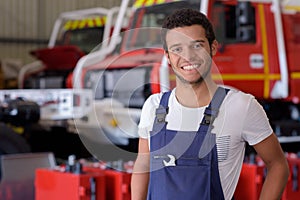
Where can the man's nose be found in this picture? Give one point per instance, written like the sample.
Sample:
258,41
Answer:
189,54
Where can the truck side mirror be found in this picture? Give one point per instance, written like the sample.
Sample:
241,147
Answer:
245,34
245,22
244,13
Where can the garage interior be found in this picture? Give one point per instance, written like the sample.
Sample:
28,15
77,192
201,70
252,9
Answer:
75,74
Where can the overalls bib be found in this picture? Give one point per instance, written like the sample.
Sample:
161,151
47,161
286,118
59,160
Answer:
184,164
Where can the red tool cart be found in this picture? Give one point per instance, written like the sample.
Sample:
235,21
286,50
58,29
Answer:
292,190
52,185
250,182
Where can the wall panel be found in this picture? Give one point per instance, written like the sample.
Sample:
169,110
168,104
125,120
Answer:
26,24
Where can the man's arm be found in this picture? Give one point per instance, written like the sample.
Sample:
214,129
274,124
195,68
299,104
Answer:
278,171
140,175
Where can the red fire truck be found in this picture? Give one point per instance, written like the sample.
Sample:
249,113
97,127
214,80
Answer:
74,34
259,43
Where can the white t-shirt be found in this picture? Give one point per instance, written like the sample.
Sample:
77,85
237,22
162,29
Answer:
241,119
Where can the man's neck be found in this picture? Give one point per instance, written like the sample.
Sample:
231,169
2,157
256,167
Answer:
196,95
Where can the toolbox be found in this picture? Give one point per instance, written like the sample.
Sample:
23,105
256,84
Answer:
292,190
77,181
253,175
56,185
250,182
117,183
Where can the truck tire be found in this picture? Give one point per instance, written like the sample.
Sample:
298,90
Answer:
11,142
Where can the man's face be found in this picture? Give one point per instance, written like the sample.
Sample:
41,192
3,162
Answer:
189,53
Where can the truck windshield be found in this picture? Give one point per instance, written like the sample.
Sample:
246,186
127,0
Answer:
85,33
118,84
147,21
86,39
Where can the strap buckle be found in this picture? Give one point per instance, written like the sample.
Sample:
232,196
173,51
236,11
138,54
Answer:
161,114
207,119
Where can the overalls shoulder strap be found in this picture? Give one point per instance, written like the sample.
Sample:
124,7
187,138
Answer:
161,112
209,142
210,114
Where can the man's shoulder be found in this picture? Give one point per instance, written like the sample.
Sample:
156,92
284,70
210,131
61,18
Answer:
238,94
154,99
238,98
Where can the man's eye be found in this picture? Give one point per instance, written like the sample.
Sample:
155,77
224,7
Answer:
197,46
176,50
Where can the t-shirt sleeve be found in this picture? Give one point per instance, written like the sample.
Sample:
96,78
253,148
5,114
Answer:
148,115
256,125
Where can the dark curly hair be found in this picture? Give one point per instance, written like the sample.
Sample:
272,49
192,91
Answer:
187,17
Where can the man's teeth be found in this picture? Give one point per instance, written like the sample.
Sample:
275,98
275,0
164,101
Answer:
189,67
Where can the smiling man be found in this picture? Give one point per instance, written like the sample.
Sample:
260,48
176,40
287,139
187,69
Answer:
192,139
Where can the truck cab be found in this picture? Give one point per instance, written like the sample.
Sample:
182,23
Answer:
259,41
74,34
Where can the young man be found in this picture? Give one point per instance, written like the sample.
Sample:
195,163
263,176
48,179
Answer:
188,151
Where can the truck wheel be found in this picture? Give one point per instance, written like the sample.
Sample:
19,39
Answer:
11,142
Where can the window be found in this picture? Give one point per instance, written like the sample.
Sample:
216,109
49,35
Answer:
86,39
147,21
234,23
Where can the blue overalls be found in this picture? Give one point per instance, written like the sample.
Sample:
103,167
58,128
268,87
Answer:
184,165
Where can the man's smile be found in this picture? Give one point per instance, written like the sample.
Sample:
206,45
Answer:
190,67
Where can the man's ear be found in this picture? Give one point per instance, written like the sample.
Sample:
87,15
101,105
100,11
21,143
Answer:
214,47
167,56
